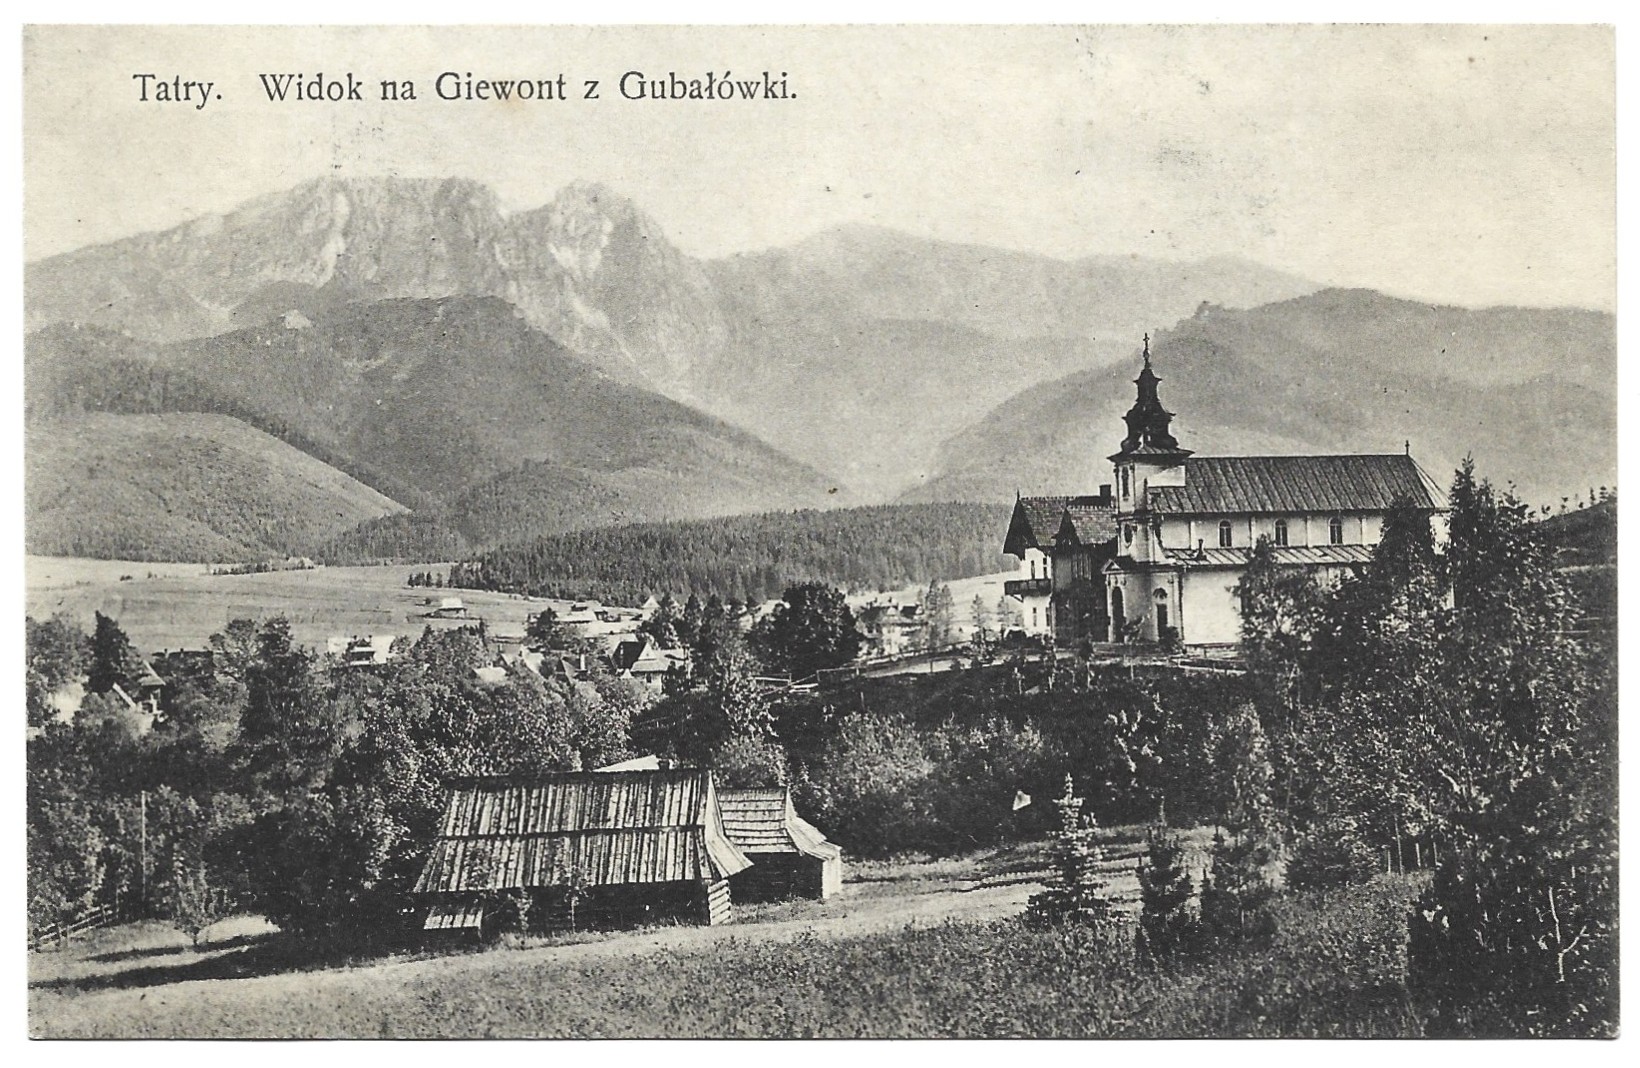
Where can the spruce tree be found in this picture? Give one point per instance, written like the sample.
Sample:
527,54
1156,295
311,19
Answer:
1075,893
1166,927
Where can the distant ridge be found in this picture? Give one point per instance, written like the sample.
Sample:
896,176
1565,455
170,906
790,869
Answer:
1336,371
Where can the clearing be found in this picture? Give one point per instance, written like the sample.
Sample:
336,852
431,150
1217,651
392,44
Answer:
146,980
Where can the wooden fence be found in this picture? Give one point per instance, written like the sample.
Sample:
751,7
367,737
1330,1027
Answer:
55,934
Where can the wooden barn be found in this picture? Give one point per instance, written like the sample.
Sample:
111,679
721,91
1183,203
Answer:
647,846
790,857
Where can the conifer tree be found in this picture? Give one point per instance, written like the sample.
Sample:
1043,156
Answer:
113,660
1075,893
1166,927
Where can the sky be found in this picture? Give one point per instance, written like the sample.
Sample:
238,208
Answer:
1469,165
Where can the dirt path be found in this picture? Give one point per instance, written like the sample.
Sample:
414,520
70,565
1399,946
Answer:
844,917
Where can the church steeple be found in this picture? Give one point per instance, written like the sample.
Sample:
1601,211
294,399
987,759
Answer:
1147,421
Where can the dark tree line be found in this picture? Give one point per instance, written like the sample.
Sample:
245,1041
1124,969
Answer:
750,558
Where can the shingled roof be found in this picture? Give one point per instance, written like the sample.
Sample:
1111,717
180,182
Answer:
1087,521
1218,485
617,827
765,821
1035,522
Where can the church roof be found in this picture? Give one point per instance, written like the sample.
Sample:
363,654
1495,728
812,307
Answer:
1219,485
1035,521
1283,555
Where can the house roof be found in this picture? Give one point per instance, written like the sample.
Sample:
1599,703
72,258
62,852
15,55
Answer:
764,821
1087,521
1219,485
617,827
1034,523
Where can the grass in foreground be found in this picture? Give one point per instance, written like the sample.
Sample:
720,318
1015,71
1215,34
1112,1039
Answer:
1336,969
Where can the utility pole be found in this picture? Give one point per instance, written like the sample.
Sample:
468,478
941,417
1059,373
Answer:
142,855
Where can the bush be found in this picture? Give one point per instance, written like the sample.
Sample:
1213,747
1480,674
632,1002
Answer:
506,912
1330,856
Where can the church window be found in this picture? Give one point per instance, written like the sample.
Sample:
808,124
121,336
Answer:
1226,535
1127,534
1281,532
1335,530
1127,482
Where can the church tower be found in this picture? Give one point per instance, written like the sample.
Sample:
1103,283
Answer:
1150,456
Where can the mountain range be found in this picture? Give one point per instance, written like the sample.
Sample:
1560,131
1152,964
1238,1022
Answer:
1527,392
504,375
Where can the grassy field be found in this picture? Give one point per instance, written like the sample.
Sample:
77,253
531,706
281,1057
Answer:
169,606
1336,969
911,948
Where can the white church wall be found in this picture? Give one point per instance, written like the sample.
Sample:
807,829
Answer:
1212,611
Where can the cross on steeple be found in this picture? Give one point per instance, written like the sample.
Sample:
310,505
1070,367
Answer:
1147,351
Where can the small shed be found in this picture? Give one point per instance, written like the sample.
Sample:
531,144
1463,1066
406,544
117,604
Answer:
790,857
647,846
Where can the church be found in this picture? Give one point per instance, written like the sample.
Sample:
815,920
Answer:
1156,556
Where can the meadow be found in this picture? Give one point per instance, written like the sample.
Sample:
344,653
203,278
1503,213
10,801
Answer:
1336,969
171,606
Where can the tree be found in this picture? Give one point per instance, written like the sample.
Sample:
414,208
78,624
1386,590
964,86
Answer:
57,655
662,624
1008,617
1075,892
689,621
545,633
233,649
715,629
113,661
1280,609
1243,757
1237,893
571,884
869,785
284,733
749,760
1520,778
982,624
190,899
810,629
939,612
1166,927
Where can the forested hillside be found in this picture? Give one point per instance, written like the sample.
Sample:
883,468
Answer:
182,486
754,557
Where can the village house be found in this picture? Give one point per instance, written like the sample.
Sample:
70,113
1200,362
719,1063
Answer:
1159,559
647,847
446,608
889,627
639,658
371,650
